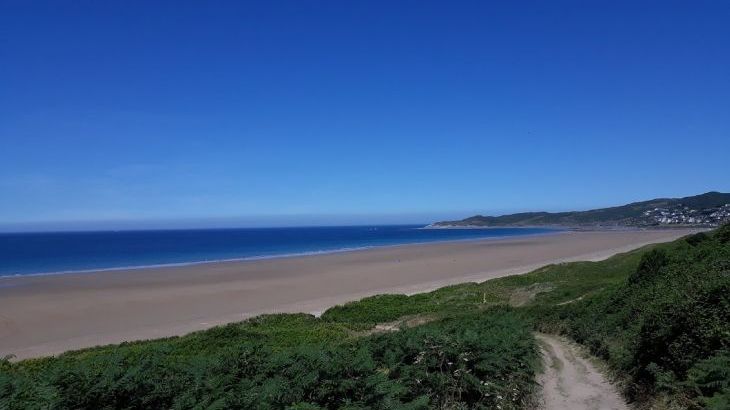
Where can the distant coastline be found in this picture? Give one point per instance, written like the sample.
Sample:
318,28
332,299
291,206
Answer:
707,210
575,228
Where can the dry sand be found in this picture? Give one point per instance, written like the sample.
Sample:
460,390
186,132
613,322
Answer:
572,382
43,315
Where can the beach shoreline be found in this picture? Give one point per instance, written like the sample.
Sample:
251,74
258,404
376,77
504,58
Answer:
48,314
549,231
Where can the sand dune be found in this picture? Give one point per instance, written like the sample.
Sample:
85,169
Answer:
45,315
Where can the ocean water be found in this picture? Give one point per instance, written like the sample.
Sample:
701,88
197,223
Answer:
41,253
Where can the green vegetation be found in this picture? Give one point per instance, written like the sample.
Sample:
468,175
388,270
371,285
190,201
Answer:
292,361
666,328
657,316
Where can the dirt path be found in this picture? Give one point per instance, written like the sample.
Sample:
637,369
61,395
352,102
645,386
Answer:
571,382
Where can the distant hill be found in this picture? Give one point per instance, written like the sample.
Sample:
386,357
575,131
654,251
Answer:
709,209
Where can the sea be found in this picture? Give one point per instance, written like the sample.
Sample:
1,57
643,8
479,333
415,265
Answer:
65,252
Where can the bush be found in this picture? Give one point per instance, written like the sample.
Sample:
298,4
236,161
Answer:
712,375
697,238
723,233
477,361
649,266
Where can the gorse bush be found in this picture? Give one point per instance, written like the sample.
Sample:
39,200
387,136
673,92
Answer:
367,312
650,265
723,234
483,361
697,238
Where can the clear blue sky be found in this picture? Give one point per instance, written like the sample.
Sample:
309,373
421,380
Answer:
305,112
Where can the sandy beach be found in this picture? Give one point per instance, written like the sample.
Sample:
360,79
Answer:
45,315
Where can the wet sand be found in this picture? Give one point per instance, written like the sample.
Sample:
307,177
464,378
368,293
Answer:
44,315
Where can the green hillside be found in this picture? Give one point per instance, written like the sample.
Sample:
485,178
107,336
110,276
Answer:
709,209
658,317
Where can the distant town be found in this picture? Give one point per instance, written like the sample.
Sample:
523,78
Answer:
684,215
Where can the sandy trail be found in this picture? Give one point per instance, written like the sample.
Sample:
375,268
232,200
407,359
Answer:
571,382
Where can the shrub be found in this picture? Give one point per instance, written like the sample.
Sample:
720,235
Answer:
481,361
712,375
723,234
649,266
697,238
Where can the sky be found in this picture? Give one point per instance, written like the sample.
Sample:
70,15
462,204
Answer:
189,114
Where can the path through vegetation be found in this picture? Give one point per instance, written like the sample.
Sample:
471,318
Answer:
571,382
